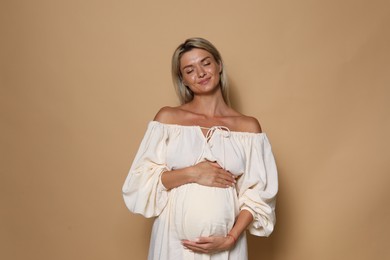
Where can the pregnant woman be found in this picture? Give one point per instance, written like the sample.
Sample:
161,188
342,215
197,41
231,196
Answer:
205,171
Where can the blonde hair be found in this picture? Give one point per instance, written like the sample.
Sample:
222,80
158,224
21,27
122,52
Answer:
184,93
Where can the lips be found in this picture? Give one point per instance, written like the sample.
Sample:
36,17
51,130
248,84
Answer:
204,81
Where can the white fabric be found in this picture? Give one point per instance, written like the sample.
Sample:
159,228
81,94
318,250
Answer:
192,210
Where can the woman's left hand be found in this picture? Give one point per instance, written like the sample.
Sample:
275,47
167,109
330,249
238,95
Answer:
209,245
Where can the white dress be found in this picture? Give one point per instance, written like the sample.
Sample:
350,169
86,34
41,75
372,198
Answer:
192,210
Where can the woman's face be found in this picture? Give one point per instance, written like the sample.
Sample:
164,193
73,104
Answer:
200,71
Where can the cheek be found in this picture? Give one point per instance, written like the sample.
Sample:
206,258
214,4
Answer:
214,70
215,73
187,79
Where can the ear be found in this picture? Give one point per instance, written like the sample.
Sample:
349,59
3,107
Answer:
220,67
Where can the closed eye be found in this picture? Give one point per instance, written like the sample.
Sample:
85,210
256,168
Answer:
206,61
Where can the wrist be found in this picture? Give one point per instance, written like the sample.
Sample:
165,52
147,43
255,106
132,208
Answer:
191,174
232,238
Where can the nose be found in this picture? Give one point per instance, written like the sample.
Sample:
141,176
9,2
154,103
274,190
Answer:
201,72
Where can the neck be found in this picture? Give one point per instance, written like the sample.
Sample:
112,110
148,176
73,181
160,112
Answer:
209,105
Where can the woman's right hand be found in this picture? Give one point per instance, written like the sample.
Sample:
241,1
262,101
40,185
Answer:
212,174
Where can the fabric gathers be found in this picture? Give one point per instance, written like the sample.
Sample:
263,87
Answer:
191,210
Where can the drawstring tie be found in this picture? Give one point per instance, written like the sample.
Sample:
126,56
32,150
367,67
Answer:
211,130
209,134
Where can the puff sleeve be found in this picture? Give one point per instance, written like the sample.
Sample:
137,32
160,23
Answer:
143,191
258,186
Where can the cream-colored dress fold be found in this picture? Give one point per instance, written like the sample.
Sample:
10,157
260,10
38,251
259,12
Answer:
192,210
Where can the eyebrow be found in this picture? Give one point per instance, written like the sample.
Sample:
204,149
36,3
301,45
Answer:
202,60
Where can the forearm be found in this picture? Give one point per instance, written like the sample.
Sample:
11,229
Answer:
242,222
215,244
176,178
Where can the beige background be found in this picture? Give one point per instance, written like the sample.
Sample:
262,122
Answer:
81,79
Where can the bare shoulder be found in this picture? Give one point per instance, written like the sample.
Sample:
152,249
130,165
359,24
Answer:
166,115
248,124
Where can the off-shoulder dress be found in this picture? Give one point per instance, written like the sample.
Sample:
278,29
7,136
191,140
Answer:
192,210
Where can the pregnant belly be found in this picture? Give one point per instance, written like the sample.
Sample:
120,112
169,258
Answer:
203,211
